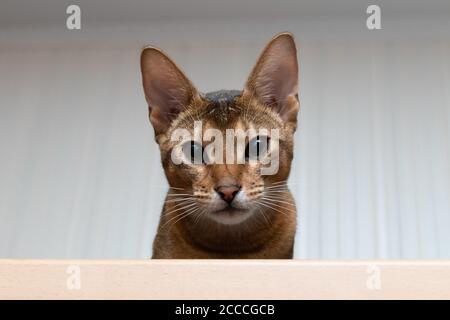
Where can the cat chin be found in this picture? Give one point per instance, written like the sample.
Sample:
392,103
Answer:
230,216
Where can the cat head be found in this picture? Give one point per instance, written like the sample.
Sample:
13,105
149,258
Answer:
186,123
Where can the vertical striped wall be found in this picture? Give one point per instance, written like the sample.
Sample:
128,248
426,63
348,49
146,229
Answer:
80,174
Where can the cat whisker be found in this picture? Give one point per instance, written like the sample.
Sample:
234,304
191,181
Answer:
185,215
279,209
278,182
258,207
178,194
284,187
165,187
187,206
182,203
285,182
272,208
199,215
278,201
178,215
178,200
283,211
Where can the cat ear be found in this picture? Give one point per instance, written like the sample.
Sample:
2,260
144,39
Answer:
274,78
167,90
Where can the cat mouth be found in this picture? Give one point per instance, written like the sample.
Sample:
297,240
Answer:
230,215
230,210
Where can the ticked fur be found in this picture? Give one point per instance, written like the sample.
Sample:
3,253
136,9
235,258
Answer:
200,217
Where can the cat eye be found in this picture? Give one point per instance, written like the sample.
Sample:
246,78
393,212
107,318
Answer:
193,151
256,148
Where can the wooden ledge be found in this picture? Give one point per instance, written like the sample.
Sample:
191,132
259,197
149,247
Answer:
219,279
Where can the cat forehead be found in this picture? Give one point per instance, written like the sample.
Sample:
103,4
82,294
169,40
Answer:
222,108
226,109
222,97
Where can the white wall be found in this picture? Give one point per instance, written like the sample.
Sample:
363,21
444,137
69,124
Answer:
80,174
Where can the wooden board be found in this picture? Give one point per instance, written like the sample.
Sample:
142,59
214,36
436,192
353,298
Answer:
219,279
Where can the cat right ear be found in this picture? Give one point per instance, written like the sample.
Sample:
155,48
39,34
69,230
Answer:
167,90
274,78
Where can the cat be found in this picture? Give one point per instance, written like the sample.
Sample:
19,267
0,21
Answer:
221,211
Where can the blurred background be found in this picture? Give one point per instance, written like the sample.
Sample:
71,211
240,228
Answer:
80,175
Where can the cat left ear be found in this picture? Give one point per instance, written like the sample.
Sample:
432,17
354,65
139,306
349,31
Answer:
274,79
167,90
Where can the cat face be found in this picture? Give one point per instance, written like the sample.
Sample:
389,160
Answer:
225,182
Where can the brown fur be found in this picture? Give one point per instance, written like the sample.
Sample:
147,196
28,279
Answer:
269,231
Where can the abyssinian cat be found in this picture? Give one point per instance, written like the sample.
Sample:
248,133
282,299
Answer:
225,210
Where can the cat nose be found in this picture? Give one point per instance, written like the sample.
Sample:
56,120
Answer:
228,192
